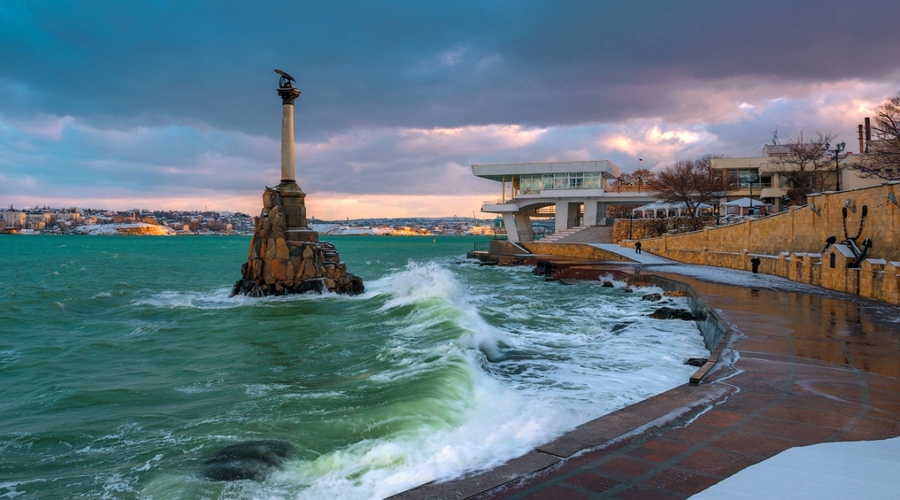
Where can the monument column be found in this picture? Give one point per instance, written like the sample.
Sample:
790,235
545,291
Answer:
292,197
288,94
285,254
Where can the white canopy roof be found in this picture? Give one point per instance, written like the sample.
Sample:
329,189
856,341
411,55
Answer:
662,205
744,202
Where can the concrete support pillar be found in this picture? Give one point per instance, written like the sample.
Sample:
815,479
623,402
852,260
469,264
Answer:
526,230
512,231
518,227
562,216
590,213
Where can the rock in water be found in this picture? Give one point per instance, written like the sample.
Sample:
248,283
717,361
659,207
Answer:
286,257
670,313
247,460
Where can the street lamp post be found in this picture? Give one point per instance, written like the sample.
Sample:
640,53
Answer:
631,225
838,148
751,178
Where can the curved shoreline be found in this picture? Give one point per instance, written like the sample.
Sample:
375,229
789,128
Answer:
794,373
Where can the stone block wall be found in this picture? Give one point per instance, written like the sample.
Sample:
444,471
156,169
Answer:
574,251
792,244
283,259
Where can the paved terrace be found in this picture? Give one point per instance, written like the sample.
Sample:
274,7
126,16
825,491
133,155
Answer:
803,366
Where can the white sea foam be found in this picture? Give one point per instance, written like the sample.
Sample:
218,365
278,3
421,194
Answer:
509,365
519,388
211,300
498,423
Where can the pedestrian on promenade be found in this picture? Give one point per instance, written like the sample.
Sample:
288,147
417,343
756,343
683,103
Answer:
754,263
637,247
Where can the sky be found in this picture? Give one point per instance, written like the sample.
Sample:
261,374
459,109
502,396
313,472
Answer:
173,105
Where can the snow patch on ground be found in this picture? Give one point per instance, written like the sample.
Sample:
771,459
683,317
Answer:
859,469
711,274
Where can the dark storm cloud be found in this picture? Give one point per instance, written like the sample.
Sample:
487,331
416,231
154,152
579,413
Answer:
163,100
418,64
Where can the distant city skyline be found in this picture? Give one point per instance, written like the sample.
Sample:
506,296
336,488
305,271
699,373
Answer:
173,106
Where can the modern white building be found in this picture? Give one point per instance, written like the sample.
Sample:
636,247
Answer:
574,192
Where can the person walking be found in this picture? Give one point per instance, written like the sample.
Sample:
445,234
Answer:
637,247
754,264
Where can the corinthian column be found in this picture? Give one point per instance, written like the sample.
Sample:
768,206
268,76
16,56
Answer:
288,94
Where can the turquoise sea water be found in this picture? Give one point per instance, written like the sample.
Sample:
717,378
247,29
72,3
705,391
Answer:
124,363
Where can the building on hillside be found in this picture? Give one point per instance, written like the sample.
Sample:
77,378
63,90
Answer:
760,177
70,216
13,219
37,221
574,193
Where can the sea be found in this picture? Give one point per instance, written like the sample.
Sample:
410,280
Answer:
124,365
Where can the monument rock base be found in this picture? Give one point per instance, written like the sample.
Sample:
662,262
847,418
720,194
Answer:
287,257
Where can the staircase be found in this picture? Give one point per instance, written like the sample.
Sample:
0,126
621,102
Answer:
555,237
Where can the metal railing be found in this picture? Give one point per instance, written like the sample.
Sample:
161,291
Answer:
625,188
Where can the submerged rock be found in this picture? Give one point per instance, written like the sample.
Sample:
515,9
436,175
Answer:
618,327
652,297
670,313
698,362
247,460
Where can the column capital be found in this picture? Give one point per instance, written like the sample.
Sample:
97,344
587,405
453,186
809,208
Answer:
288,94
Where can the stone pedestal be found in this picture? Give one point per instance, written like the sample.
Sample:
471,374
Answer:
293,202
284,258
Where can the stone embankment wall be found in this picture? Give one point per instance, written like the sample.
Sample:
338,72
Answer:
793,244
573,251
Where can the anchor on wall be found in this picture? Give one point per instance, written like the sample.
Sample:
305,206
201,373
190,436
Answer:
859,254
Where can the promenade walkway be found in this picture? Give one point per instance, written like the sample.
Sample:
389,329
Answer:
804,366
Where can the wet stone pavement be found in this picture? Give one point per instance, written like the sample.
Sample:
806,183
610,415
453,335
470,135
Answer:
800,369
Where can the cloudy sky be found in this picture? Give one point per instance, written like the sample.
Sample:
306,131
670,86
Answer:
173,104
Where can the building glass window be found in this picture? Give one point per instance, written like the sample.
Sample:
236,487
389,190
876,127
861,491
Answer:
744,176
592,180
576,180
535,183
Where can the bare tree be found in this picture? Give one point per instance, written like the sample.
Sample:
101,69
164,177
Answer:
883,158
806,166
639,178
691,182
